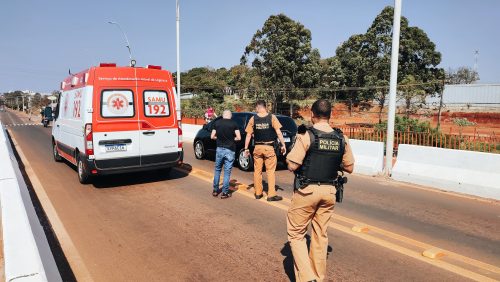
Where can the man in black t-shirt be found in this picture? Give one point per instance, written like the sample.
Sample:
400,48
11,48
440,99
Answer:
226,133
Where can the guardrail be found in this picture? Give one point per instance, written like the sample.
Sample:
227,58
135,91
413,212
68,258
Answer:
27,254
473,173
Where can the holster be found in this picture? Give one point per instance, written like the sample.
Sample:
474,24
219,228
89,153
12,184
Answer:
300,182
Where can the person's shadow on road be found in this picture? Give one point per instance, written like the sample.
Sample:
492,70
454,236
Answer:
265,186
286,251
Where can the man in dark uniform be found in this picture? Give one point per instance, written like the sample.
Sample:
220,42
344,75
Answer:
265,128
316,157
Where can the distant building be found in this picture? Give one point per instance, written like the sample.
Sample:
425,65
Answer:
187,96
484,97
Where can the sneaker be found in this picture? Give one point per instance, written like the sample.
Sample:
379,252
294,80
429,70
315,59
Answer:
225,195
274,198
258,197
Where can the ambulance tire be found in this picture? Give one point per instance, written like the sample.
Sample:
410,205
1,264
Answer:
83,174
55,152
199,150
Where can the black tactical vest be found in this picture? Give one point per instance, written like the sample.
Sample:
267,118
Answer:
263,129
324,157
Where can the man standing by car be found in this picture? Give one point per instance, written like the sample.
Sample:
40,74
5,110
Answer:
317,155
226,132
266,128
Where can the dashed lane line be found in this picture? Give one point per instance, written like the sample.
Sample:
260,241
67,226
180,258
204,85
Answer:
453,262
23,124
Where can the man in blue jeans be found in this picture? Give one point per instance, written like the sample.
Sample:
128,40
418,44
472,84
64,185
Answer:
226,133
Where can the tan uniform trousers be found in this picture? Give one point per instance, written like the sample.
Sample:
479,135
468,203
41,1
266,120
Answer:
313,204
264,154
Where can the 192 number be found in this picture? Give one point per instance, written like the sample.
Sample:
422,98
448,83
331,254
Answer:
157,109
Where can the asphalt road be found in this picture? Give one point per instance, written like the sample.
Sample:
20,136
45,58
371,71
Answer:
154,227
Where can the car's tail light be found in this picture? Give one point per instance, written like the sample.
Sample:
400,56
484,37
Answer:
89,143
179,131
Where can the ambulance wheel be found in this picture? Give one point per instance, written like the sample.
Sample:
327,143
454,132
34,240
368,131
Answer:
245,163
199,150
83,174
55,152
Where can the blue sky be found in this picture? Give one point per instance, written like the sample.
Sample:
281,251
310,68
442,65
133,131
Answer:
41,40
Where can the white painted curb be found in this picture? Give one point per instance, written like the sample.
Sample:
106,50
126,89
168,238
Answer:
368,156
468,172
189,131
26,252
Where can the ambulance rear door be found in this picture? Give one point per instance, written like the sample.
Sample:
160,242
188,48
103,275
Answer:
116,127
158,126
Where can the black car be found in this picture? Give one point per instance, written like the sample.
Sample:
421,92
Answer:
204,146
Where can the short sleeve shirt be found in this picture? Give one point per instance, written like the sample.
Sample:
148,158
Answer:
303,141
225,132
275,123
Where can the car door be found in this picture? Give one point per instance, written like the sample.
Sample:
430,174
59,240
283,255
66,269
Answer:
241,121
115,127
210,144
158,126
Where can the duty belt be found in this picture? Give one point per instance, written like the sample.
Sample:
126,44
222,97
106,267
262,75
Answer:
302,182
270,143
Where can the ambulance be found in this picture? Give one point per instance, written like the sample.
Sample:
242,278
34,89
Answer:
113,119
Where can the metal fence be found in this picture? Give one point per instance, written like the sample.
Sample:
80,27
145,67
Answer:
479,143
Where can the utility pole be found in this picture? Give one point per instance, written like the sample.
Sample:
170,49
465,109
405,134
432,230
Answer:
178,75
389,150
476,55
440,106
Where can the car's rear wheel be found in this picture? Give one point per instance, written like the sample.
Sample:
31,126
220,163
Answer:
55,152
199,150
245,163
83,174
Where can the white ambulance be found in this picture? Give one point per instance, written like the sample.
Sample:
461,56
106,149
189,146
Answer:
113,119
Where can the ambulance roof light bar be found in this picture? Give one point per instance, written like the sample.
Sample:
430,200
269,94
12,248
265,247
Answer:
153,67
107,65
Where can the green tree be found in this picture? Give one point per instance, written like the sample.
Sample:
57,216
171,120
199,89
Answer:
282,54
365,60
245,81
332,77
462,75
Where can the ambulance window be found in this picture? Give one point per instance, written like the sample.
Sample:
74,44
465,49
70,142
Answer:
117,103
156,103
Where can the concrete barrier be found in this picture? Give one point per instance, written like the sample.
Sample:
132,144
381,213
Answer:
189,131
368,156
473,173
27,254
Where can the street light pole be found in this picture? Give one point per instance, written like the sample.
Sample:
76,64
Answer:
178,75
389,149
126,40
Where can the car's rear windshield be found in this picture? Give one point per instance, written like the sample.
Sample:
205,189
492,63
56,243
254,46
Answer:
288,124
240,120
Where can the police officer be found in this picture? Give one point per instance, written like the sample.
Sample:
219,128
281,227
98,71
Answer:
266,129
319,152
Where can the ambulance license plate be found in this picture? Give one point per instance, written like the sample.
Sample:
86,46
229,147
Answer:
287,139
116,148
